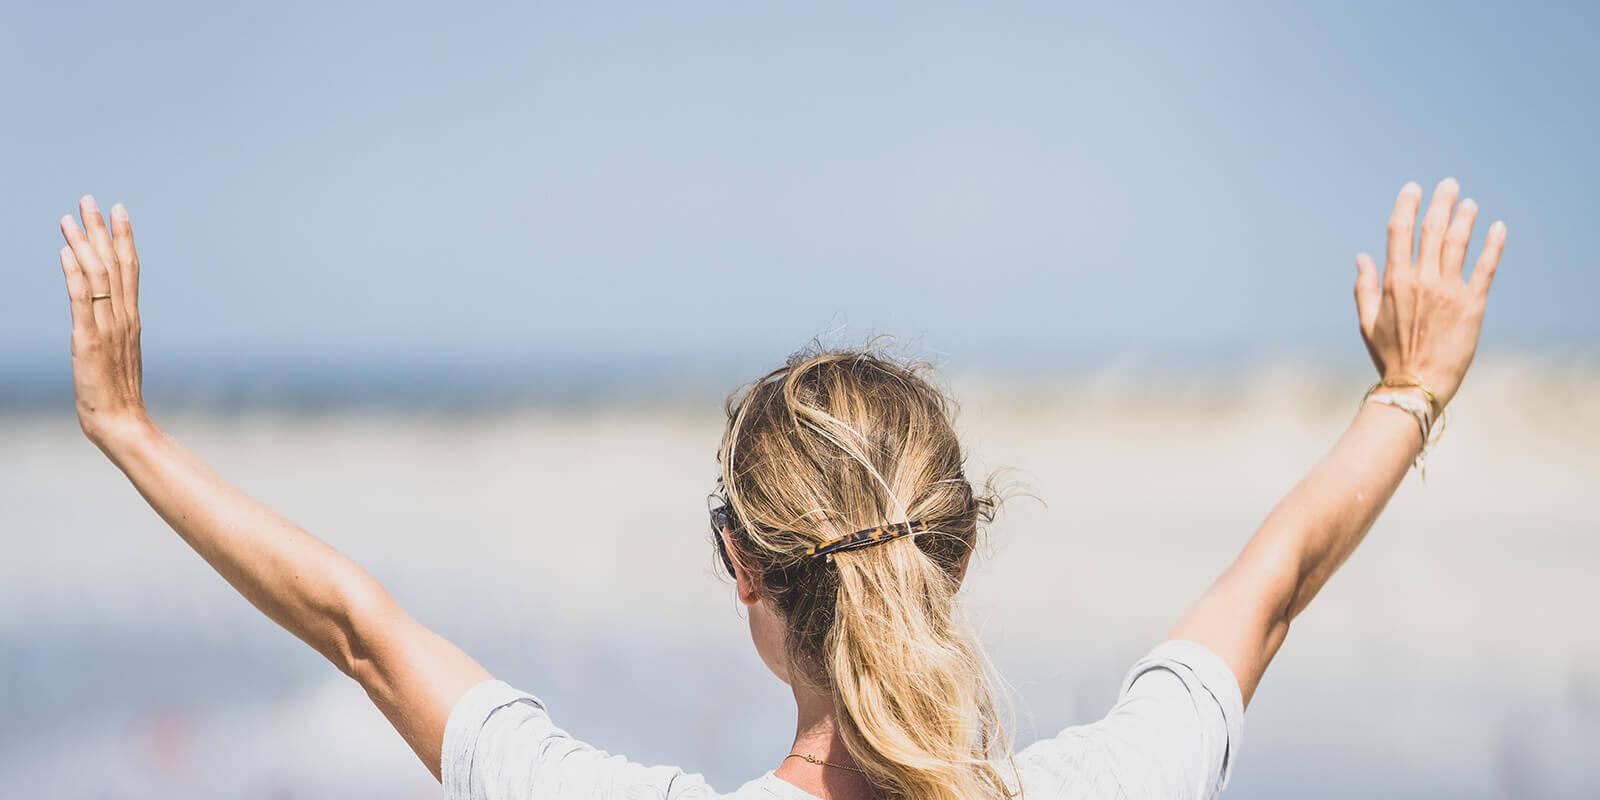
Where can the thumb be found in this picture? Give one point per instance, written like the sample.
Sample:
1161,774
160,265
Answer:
1368,293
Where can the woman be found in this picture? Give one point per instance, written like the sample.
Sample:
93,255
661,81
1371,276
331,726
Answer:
847,523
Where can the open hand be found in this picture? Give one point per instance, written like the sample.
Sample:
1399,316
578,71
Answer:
102,272
1421,321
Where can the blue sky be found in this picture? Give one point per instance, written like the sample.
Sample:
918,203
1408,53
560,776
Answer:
1034,184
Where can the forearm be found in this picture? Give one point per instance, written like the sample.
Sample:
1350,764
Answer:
1244,617
1323,519
298,581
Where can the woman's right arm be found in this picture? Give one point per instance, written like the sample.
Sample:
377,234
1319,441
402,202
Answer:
413,675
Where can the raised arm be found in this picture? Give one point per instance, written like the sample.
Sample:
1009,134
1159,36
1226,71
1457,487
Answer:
328,601
1420,322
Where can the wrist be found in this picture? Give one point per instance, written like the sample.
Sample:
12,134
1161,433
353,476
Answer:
1395,419
1411,382
124,436
1408,391
1413,400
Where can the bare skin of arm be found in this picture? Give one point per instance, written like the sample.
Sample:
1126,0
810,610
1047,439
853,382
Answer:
1420,320
413,675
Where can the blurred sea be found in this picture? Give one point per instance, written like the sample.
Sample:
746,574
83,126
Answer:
563,541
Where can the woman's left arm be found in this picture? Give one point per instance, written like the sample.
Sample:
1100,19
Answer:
412,674
1420,321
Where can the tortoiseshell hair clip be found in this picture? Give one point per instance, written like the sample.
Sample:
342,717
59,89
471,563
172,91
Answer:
867,538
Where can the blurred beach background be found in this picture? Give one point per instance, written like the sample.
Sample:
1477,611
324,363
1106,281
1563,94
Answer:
461,290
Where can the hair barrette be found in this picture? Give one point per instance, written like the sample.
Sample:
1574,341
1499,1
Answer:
867,538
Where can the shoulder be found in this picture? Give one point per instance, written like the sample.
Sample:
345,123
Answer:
501,744
1174,731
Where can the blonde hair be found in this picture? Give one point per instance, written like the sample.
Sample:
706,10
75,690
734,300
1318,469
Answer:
837,441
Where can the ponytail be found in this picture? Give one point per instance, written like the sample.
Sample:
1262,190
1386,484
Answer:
910,687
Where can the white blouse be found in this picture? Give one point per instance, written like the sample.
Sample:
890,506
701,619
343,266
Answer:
1173,733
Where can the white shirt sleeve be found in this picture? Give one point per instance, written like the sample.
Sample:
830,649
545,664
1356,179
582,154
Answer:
1173,733
499,744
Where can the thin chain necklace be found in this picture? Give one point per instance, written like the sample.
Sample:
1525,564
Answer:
814,760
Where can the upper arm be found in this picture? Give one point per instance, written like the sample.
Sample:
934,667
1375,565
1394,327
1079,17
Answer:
412,674
1244,617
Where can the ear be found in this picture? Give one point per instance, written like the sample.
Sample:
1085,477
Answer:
746,582
966,561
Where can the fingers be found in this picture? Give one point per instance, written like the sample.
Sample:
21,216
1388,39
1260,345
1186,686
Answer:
99,278
1489,259
1401,223
1456,239
94,226
127,257
1434,224
77,295
1369,294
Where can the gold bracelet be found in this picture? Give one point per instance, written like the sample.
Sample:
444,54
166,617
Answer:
1432,424
1413,382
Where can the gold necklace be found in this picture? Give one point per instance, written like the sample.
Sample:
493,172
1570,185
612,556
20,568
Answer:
814,760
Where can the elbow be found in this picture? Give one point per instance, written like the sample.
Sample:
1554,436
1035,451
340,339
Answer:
365,612
1274,579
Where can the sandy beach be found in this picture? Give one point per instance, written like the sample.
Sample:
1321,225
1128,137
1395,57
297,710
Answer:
567,549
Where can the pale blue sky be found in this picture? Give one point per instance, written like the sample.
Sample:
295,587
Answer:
323,183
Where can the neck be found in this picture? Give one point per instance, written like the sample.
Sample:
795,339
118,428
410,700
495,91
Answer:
817,734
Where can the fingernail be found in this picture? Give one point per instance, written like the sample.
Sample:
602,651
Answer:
68,222
1411,187
118,212
1468,203
1449,185
88,200
1498,229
